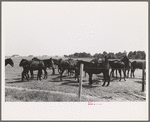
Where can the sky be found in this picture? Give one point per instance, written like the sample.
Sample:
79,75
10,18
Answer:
63,28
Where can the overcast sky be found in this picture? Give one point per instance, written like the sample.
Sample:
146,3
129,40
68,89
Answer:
58,28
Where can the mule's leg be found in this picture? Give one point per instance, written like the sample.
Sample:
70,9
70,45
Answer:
128,73
112,73
61,74
116,73
120,74
125,71
39,74
108,78
32,75
104,76
53,71
133,72
90,79
45,73
26,75
77,75
22,76
124,74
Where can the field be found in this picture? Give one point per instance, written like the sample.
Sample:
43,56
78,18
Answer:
54,90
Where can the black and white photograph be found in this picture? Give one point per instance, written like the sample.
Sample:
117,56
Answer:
74,60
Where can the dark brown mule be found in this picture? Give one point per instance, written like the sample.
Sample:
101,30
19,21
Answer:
128,68
37,64
57,63
26,67
47,64
137,65
31,66
127,63
67,65
96,68
117,65
9,61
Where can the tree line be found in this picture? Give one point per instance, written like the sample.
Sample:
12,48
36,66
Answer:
119,55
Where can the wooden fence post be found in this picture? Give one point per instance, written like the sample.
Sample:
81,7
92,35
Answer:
80,82
143,80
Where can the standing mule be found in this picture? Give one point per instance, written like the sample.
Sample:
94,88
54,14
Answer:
117,65
56,62
37,64
127,63
67,65
9,61
137,65
128,68
47,64
96,68
26,67
31,65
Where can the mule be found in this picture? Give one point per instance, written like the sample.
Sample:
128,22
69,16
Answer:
37,64
47,64
137,65
111,63
26,67
127,63
57,63
128,68
9,61
67,65
96,68
117,65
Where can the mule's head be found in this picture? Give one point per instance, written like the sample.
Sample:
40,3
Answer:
10,61
50,63
125,59
23,62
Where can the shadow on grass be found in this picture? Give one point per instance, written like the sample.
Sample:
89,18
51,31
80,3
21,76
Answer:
76,84
140,82
18,81
114,79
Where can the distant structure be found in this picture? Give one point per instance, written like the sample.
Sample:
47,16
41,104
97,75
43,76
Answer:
44,56
30,56
16,55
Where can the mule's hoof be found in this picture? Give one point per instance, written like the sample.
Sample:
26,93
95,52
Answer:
107,85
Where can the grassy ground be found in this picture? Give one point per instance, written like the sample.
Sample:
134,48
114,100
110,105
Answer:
129,90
